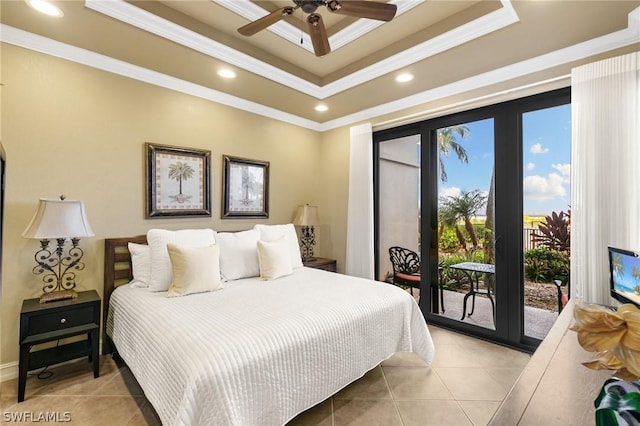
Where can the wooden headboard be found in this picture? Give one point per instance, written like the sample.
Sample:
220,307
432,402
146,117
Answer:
117,271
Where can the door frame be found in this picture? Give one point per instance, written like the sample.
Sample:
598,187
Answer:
508,170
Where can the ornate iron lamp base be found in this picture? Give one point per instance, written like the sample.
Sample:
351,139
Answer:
58,295
58,268
307,241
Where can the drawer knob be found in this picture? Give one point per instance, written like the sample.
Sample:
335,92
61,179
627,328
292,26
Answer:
63,320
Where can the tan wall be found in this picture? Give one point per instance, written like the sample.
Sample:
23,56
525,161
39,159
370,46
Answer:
74,130
334,180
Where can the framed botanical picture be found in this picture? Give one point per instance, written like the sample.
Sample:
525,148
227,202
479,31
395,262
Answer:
245,188
178,181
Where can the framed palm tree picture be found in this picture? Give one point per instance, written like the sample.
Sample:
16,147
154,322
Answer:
245,188
178,181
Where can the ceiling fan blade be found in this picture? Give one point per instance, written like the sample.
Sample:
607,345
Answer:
260,24
318,34
363,9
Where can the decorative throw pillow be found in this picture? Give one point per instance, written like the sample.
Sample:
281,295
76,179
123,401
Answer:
158,239
238,254
140,264
195,269
273,232
274,258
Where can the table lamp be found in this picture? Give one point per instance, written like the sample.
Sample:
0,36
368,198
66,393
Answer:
307,218
60,220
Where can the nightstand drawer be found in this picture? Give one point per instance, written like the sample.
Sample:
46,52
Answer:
331,267
321,263
49,321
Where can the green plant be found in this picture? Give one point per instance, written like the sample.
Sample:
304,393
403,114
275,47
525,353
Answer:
464,207
555,232
542,264
448,241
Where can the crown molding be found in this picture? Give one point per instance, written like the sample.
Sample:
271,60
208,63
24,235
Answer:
602,44
598,45
132,15
55,48
126,12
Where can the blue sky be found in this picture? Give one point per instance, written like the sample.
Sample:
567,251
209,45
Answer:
626,281
546,160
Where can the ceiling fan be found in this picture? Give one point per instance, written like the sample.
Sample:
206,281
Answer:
317,30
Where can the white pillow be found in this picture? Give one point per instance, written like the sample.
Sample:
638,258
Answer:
160,263
140,264
195,269
238,254
274,258
273,232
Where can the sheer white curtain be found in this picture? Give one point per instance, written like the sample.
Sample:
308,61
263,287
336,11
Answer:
605,170
360,259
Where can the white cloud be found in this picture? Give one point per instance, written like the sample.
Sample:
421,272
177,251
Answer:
537,148
450,191
564,169
544,188
530,166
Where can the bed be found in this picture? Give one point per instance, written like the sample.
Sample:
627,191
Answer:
256,352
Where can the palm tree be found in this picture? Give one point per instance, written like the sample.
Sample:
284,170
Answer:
447,142
448,218
618,266
635,273
465,206
180,171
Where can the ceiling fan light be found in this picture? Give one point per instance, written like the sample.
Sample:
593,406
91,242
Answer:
404,77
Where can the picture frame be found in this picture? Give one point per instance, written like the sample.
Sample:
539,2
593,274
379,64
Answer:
178,181
245,188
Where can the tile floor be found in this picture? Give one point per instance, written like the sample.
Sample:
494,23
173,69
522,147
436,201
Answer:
464,386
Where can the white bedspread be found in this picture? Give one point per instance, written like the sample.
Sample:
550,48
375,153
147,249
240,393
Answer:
260,352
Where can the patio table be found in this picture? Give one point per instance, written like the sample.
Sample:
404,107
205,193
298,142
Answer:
473,270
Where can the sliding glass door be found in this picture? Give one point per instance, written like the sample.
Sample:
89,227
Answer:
465,254
546,168
458,191
399,210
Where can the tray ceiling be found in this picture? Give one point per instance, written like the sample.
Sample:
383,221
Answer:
442,43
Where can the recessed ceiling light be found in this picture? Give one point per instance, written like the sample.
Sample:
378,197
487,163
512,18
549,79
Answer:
226,73
404,77
321,108
45,7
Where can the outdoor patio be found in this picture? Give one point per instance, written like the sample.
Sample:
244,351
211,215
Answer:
537,321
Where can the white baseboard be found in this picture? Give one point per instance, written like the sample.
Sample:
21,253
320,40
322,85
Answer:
8,371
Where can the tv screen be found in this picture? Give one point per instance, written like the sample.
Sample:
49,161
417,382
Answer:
624,275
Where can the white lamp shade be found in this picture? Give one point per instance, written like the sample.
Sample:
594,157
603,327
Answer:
306,216
58,219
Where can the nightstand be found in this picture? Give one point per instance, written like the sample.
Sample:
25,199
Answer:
320,263
48,322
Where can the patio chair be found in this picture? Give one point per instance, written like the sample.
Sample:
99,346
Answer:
406,270
563,298
406,267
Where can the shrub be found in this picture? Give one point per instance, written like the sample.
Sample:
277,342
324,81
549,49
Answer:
448,241
555,232
545,265
453,278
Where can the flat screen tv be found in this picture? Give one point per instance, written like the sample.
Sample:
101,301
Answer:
624,275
